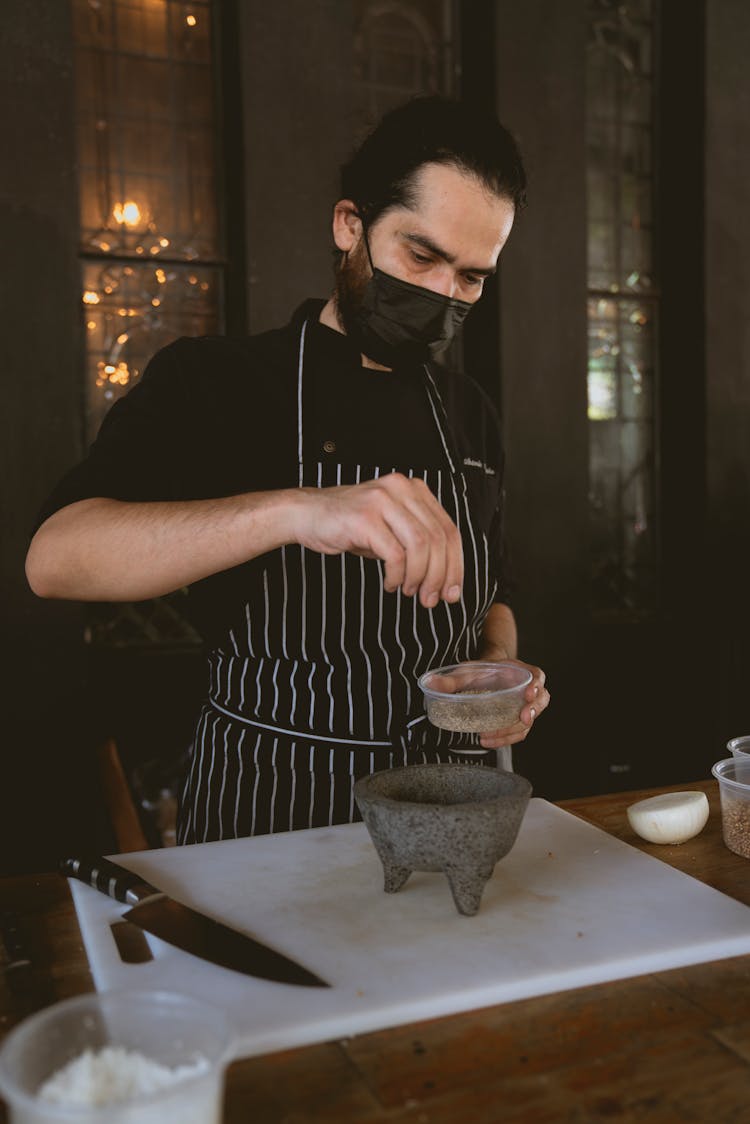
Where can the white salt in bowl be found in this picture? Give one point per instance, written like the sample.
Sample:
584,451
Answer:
190,1037
478,696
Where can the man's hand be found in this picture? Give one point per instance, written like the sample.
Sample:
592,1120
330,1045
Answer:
537,700
394,518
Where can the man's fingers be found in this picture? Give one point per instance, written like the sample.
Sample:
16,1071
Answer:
540,703
385,545
434,557
445,577
398,520
496,738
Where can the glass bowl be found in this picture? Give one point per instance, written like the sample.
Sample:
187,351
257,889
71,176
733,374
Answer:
476,697
173,1030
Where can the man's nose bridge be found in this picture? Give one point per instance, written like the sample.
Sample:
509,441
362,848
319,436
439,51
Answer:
446,281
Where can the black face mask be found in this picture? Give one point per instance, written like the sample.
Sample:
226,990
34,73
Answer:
398,323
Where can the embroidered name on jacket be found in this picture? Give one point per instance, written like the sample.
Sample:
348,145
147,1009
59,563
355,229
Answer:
480,464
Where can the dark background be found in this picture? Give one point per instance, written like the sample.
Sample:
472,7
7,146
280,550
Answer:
634,703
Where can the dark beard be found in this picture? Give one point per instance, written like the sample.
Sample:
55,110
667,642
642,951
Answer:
364,304
352,276
352,279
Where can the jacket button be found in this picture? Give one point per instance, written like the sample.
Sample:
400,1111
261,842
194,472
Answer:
329,446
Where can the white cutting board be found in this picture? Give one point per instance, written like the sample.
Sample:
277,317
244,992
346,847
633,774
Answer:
570,905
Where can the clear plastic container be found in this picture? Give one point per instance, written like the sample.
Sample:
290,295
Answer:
738,746
174,1030
733,775
475,697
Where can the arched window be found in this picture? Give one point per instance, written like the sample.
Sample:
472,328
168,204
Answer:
403,50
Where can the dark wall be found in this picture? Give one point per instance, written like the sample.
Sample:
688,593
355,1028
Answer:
45,771
727,281
540,90
299,121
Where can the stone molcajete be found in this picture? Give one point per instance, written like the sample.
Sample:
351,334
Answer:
458,819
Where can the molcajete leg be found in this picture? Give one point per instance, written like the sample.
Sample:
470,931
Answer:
467,887
395,876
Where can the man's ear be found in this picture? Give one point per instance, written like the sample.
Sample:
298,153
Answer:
347,225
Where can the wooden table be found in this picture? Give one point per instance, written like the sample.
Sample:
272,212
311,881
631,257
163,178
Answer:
673,1046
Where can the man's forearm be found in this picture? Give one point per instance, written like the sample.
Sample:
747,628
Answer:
105,550
499,636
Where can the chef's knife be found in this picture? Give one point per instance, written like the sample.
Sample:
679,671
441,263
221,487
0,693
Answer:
185,928
131,942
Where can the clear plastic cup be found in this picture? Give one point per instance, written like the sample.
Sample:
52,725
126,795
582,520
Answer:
174,1030
477,696
733,775
738,746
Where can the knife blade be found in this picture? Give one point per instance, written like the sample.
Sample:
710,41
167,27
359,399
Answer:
131,942
186,928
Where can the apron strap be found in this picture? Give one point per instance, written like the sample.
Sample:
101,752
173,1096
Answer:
439,415
444,428
300,366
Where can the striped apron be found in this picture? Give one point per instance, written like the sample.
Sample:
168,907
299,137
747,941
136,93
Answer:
316,684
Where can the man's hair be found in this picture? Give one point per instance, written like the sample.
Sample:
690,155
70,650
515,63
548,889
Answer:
431,130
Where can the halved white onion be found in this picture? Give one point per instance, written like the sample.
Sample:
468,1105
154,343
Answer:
671,817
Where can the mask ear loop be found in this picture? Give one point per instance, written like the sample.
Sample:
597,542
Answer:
362,219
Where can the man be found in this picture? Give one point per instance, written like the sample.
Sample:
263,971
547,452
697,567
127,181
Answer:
331,496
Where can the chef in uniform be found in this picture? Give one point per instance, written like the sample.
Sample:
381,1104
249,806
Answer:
329,492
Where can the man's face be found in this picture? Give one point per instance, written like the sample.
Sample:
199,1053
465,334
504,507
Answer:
448,243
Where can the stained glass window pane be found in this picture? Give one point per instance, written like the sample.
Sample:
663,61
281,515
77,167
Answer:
145,114
131,311
623,306
148,199
151,242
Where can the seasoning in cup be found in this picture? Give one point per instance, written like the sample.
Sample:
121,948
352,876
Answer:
477,696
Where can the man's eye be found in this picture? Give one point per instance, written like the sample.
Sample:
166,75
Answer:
470,279
420,258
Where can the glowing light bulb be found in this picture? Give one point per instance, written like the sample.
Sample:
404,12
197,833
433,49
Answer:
90,297
127,213
191,21
123,337
164,242
161,276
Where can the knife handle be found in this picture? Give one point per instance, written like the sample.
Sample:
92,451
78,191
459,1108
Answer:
111,879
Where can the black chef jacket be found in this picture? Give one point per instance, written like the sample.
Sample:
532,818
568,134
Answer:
214,416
